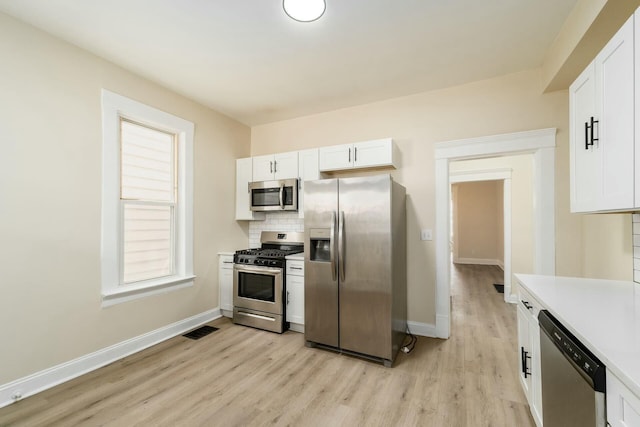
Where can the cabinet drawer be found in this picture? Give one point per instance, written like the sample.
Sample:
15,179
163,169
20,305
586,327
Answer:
295,268
528,302
226,261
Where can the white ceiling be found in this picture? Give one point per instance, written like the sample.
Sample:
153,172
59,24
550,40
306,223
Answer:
248,60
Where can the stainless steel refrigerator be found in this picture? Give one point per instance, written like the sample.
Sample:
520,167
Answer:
355,265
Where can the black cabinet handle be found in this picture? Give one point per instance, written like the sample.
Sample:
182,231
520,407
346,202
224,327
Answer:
349,155
524,355
526,304
589,128
586,135
355,154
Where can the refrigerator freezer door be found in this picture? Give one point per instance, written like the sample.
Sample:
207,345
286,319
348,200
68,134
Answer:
321,285
366,291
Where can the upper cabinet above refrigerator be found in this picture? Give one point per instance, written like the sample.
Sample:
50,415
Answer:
368,154
602,124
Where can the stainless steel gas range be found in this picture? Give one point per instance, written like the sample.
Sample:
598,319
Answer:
259,285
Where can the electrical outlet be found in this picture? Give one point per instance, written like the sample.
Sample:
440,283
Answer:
426,235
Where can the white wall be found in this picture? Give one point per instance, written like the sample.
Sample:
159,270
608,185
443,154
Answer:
50,184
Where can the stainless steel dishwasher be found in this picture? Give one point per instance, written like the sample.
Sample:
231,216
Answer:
573,379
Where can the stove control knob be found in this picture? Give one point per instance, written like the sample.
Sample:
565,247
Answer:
273,262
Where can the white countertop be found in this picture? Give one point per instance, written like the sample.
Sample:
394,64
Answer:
295,257
603,314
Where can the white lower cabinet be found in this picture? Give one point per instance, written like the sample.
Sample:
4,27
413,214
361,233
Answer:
623,406
295,295
529,353
225,284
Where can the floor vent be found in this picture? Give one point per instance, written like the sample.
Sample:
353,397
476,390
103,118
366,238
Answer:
499,288
202,331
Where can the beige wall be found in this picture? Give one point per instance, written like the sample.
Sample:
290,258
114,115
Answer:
50,189
476,212
608,246
522,200
506,104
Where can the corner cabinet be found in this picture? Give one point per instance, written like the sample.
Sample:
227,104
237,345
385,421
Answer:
529,353
225,284
602,127
368,154
244,176
275,166
295,294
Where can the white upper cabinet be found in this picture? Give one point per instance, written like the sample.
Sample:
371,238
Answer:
368,154
275,166
307,171
602,129
244,175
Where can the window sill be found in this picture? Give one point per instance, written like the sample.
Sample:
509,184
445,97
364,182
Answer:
151,287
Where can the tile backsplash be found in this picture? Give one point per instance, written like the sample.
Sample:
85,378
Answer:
636,247
280,221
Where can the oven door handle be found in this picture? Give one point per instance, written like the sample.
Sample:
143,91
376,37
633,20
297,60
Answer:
332,249
259,270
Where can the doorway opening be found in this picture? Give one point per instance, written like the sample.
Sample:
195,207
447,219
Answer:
480,226
541,144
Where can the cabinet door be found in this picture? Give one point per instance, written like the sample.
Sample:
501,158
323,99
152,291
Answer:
307,171
225,282
244,176
295,299
615,99
535,368
586,170
336,157
623,407
263,168
285,165
524,350
373,153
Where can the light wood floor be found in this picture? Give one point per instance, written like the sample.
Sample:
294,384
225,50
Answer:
241,376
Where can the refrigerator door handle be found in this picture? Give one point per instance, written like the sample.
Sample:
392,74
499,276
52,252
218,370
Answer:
341,245
332,255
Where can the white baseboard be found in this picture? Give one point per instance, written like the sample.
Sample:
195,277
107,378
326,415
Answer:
477,261
43,380
422,329
513,299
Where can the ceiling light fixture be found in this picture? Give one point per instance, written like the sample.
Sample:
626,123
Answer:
304,10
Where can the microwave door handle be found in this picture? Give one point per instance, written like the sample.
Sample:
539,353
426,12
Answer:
281,196
332,255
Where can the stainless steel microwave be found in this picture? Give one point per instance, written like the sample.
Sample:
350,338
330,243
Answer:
272,196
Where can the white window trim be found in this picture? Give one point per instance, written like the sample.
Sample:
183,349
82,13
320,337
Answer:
115,106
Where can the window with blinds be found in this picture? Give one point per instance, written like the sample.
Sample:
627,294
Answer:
148,194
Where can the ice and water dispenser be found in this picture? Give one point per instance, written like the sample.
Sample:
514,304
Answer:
320,244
